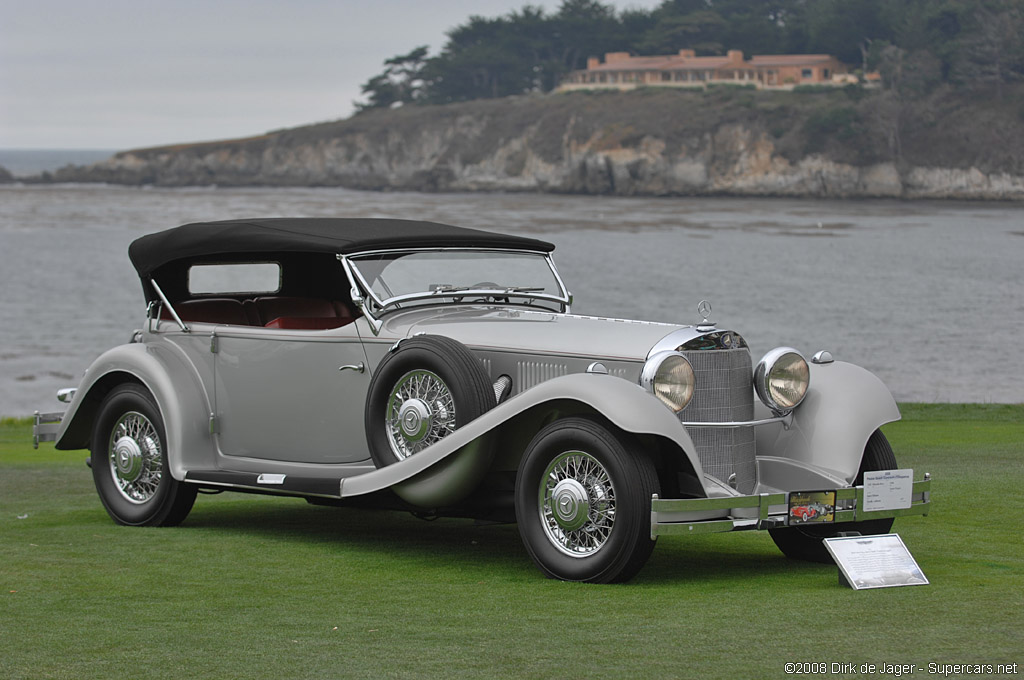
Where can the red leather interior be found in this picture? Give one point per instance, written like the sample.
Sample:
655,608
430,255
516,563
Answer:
308,323
270,308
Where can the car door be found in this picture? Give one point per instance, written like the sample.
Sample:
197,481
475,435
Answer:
291,395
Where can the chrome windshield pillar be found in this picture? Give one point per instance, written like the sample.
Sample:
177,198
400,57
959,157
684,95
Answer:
357,295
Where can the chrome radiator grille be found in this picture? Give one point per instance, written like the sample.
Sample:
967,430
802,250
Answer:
724,393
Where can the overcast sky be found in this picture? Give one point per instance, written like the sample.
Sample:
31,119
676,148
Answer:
118,74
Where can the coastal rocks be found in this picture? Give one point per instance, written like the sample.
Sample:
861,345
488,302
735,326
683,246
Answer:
959,183
5,175
882,180
551,146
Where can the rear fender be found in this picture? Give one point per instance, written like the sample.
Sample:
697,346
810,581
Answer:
447,471
174,384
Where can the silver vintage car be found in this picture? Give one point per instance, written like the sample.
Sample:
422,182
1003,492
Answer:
437,369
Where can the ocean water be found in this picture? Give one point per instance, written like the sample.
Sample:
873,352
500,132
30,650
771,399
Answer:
927,295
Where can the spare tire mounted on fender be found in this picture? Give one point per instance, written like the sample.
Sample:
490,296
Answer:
422,392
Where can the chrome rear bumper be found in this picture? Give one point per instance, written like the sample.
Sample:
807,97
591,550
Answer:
690,516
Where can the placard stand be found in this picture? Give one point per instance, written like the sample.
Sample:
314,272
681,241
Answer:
881,561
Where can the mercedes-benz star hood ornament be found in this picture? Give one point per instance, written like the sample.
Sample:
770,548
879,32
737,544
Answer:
704,309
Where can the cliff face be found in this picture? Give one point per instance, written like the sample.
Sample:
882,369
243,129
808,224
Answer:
660,143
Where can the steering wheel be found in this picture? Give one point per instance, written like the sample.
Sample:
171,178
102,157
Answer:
489,284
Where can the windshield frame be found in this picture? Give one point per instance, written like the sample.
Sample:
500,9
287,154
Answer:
373,305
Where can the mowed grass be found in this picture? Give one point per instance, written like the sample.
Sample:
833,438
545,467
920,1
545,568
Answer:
262,587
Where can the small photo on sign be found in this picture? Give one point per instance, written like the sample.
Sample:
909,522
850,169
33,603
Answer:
807,507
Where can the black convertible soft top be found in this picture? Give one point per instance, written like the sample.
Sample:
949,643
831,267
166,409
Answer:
310,234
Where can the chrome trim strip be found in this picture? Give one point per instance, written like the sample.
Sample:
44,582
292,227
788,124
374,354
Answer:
170,307
677,340
786,420
270,491
674,340
470,292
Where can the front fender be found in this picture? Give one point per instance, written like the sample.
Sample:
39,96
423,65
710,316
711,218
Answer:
843,406
174,384
447,471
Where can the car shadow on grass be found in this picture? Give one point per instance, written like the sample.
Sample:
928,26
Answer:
481,546
723,558
348,529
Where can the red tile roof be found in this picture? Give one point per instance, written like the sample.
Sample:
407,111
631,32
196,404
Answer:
659,63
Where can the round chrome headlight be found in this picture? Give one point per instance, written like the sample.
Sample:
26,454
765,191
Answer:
781,379
669,377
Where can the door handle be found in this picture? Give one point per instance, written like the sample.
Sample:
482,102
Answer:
358,368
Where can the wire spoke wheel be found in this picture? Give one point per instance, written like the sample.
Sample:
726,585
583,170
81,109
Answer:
420,412
577,504
423,390
136,457
131,467
583,501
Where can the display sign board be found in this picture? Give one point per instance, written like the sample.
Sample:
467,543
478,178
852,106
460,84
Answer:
881,561
888,489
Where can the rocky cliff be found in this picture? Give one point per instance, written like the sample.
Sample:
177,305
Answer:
828,144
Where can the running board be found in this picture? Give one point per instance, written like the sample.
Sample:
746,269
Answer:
285,485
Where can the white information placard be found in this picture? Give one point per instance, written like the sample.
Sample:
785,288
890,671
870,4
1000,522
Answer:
888,489
881,561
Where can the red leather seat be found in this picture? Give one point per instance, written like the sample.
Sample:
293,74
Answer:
308,323
302,313
270,308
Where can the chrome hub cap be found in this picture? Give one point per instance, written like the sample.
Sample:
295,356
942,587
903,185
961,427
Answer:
421,411
415,417
136,457
127,459
577,504
571,505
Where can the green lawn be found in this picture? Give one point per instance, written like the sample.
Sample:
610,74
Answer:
254,587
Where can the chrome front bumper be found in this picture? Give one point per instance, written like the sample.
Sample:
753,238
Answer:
688,516
45,427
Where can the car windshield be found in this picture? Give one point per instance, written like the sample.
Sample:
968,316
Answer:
451,274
